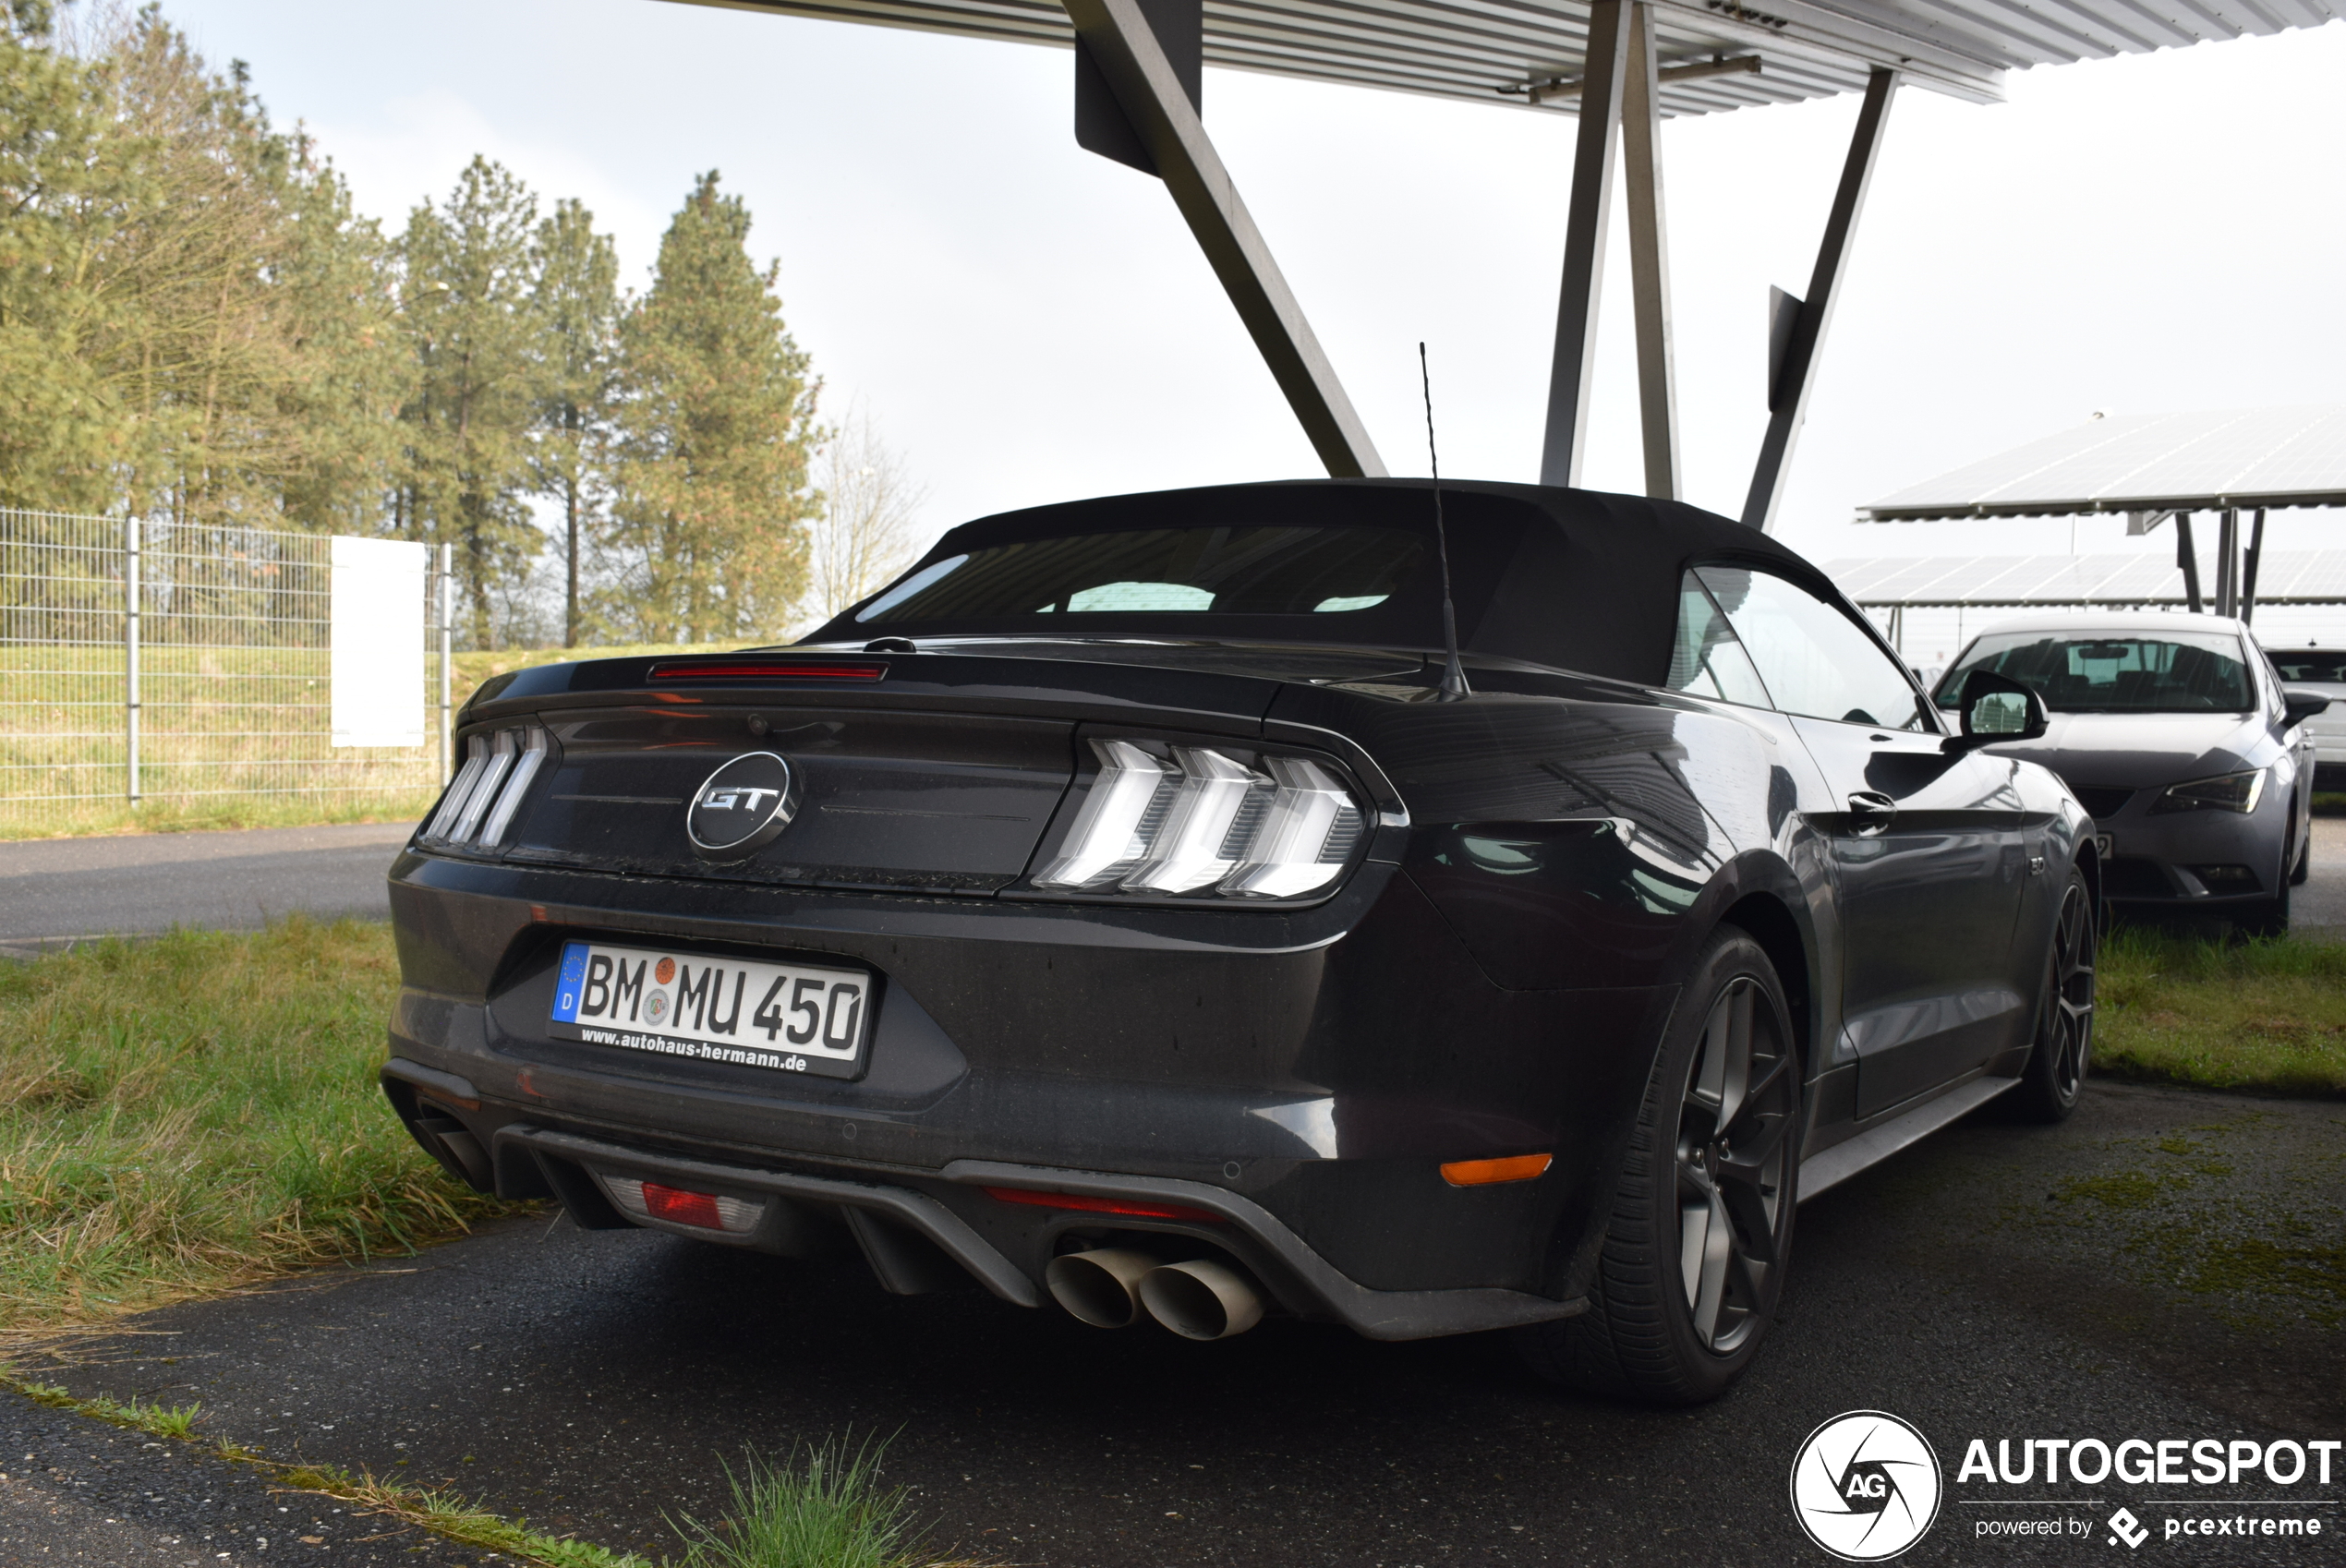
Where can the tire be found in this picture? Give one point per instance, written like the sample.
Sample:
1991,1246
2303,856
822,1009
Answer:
2063,1047
2267,917
1700,1236
2304,870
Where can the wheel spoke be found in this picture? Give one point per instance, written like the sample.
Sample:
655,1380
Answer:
1710,1289
1709,1088
1735,1080
1755,1222
1767,1077
1748,1157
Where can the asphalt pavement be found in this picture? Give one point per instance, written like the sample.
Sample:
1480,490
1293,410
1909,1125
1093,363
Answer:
2167,1265
54,891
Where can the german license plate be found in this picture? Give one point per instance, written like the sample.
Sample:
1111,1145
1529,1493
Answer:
791,1018
2105,844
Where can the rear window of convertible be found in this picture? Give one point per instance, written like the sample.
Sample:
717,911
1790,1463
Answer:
1318,573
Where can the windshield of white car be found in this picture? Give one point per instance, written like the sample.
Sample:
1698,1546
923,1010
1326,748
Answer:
2320,667
2171,672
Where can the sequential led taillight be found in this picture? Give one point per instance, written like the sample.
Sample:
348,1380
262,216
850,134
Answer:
480,806
1218,822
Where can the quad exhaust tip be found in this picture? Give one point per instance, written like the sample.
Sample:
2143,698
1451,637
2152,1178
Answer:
1111,1287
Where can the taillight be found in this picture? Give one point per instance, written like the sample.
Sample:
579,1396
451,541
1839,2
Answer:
498,769
1220,822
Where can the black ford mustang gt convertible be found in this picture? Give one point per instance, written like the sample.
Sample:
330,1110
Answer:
1121,909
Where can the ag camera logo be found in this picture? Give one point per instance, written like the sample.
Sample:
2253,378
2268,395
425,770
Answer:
1865,1486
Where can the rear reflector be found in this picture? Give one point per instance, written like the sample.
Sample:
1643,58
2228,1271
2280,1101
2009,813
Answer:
684,1208
777,671
644,1200
1088,1204
1486,1172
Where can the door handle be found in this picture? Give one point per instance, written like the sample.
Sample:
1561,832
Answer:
1871,812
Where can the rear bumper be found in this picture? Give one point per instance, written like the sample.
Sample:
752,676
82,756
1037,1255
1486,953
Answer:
920,1231
1301,1077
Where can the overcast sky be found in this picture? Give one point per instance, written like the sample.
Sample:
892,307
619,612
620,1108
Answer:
1028,323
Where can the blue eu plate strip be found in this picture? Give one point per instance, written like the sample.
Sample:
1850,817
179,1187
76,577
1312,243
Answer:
569,983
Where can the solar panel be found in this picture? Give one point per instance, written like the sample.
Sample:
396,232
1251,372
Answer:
2142,577
1489,51
2146,462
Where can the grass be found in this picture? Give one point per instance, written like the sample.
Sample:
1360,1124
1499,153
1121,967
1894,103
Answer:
441,1512
245,727
213,812
2267,1015
196,1111
823,1508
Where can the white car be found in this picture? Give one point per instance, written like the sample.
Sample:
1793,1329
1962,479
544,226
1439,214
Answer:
2325,671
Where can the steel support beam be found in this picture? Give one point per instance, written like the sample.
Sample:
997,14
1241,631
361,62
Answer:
1584,234
2227,561
1151,96
2187,557
2248,569
1788,398
1649,255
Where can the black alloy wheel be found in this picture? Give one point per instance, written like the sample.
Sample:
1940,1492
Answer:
2064,1044
1700,1236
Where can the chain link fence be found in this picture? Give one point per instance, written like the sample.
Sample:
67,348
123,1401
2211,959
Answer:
146,661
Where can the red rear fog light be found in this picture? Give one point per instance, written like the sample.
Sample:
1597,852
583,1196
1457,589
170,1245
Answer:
683,1207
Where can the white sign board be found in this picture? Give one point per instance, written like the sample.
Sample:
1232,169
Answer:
377,631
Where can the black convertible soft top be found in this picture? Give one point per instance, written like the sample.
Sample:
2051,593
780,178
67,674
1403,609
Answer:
1572,579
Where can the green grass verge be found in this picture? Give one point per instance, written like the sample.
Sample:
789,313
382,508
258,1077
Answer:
199,1111
823,1508
441,1512
2266,1015
215,813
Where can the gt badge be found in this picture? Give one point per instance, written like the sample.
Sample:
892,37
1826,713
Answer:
741,807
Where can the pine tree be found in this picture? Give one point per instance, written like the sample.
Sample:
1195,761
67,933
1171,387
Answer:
340,310
70,182
468,301
578,298
716,427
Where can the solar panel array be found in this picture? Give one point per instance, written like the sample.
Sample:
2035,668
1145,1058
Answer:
2302,576
1489,50
2146,462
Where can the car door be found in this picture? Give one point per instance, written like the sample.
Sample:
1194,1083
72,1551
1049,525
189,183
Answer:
1927,845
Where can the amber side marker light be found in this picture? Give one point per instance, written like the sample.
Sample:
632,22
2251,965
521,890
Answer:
1088,1204
1486,1172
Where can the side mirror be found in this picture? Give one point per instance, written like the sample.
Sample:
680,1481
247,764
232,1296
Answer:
2299,703
1996,708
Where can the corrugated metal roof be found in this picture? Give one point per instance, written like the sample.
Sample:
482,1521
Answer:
2294,576
1478,49
2146,462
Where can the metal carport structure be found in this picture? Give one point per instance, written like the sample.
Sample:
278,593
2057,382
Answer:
1621,66
2152,467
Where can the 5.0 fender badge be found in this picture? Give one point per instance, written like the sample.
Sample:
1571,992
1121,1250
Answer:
741,807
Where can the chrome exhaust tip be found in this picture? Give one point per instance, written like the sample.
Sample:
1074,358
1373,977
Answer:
1100,1287
1201,1299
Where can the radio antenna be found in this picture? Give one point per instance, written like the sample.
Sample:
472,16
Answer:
1453,681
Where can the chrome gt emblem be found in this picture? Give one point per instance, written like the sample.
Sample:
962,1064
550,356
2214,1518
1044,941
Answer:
741,807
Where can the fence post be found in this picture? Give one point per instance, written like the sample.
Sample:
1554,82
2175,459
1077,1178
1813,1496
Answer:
130,650
447,672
